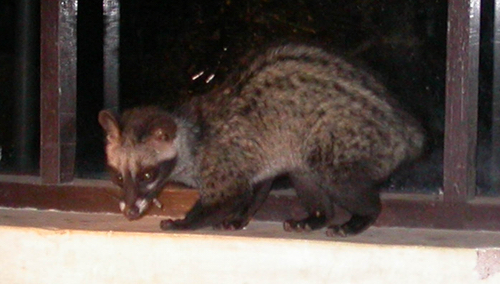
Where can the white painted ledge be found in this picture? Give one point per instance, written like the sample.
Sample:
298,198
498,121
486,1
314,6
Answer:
56,247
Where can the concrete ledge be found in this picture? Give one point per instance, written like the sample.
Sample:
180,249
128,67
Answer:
57,247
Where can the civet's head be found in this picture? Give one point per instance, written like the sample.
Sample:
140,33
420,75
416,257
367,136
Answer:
140,154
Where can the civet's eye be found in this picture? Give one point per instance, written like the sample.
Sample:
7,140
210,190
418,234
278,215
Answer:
117,179
148,175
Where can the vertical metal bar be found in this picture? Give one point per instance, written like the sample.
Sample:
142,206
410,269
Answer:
26,83
111,10
462,62
495,127
58,90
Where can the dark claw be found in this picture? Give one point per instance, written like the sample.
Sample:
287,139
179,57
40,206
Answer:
314,221
296,226
287,226
336,231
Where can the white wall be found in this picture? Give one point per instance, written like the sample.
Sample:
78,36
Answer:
36,255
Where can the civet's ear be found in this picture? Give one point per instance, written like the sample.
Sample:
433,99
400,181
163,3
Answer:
160,134
161,137
109,122
162,128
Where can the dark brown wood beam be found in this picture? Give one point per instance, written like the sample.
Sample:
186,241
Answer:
459,180
58,90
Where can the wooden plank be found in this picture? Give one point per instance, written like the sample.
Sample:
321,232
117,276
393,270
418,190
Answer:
83,196
58,90
399,210
459,180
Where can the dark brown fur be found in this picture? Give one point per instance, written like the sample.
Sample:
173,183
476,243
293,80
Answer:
296,111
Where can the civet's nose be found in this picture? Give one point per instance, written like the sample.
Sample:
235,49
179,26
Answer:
132,213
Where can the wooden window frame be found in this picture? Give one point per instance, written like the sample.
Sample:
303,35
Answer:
456,207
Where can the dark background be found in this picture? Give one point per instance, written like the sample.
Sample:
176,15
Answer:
165,43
